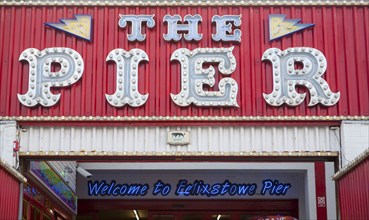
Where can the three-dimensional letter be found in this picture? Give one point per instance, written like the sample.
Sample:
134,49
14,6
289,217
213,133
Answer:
223,29
127,77
286,77
174,27
136,20
42,78
194,76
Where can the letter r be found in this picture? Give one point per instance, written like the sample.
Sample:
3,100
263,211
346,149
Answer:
286,77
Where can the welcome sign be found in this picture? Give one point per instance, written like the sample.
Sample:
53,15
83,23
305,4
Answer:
183,188
186,184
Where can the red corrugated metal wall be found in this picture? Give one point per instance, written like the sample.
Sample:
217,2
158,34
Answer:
340,32
9,196
353,192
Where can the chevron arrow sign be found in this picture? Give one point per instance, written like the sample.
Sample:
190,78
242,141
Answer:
279,26
80,26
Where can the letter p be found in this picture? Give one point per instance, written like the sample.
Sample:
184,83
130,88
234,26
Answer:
267,185
42,76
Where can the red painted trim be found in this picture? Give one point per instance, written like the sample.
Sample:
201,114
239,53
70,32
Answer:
320,190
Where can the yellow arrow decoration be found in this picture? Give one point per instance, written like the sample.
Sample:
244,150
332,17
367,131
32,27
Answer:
81,26
280,27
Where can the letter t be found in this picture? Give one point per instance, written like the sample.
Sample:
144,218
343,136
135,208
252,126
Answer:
136,21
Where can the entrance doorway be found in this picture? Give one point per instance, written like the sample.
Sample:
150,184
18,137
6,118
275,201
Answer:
188,209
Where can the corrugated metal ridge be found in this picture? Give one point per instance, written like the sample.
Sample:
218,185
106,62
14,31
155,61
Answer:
12,171
182,118
186,3
353,164
64,154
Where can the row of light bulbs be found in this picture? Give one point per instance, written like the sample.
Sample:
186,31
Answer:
182,118
187,153
193,3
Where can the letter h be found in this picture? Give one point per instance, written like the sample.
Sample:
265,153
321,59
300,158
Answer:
174,27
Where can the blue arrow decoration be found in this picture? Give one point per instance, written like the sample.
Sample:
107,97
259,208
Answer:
80,26
279,26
